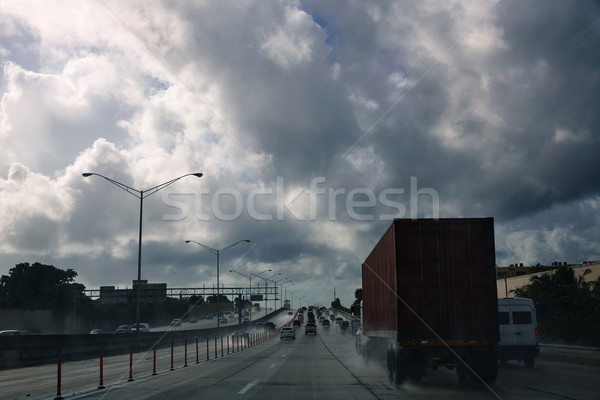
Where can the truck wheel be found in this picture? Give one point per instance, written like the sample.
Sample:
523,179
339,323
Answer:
529,361
391,373
398,366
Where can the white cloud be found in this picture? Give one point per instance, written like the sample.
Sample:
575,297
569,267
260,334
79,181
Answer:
291,43
500,123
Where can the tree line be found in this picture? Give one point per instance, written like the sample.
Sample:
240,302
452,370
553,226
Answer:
567,308
39,286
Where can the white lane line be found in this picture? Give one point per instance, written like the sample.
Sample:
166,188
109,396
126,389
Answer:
247,387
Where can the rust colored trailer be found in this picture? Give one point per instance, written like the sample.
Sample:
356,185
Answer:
429,298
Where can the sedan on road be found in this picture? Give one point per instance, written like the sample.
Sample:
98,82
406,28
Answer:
287,333
239,333
123,329
310,328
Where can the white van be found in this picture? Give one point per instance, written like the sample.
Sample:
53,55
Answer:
518,330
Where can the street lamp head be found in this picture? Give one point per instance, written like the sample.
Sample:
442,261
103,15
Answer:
198,174
86,174
187,241
247,241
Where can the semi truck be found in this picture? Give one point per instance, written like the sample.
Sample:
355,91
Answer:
430,301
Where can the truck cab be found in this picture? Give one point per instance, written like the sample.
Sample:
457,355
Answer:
518,330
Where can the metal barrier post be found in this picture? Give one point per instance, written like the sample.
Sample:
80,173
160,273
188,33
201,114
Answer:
58,374
101,385
154,362
172,369
207,355
216,354
228,344
221,346
197,359
185,351
130,364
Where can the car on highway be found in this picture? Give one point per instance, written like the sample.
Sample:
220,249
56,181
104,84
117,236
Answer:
326,323
144,327
123,329
310,328
223,320
193,320
209,316
344,325
239,333
287,333
10,332
245,320
290,313
176,322
97,332
297,323
260,325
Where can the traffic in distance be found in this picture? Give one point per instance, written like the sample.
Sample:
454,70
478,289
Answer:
229,316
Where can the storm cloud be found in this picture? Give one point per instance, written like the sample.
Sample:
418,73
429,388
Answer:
313,122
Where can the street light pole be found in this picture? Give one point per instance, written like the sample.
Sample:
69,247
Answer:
250,278
275,295
294,292
258,276
281,291
301,298
286,288
140,194
218,253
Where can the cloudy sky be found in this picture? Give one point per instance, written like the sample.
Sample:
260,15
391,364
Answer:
314,123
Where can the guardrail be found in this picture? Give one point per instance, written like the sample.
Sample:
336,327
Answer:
31,350
216,347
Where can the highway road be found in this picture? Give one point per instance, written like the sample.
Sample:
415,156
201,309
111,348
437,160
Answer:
209,323
316,367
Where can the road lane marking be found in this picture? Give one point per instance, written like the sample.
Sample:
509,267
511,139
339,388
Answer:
247,387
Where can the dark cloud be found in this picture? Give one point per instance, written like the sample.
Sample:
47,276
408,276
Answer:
497,118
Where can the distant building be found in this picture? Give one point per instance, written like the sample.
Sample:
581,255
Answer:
520,270
515,276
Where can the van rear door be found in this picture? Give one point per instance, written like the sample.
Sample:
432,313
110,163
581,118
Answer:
506,329
523,323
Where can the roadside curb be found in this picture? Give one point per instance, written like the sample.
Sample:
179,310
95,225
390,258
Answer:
566,346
